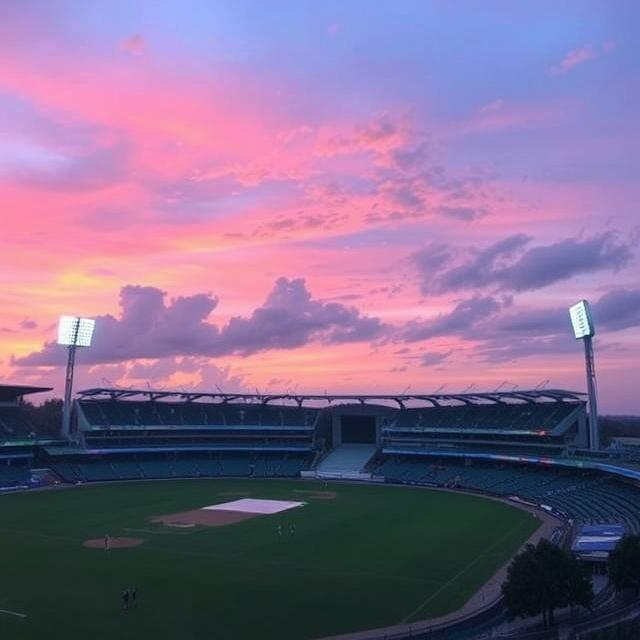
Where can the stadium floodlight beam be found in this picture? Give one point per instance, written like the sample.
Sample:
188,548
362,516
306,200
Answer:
73,332
584,329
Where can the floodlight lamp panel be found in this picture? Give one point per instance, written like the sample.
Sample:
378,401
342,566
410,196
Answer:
74,331
85,332
581,320
66,330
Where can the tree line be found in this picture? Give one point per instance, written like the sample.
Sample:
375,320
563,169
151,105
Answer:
45,418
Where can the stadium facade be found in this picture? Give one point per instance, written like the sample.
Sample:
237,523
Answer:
530,446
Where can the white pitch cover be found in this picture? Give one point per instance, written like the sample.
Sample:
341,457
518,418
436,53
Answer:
253,505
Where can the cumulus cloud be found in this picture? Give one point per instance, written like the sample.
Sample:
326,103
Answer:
503,332
510,266
460,320
544,265
290,318
530,332
618,309
149,327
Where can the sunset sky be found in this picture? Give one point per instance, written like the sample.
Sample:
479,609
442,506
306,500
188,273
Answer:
340,195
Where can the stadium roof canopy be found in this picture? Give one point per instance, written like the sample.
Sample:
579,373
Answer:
11,392
402,400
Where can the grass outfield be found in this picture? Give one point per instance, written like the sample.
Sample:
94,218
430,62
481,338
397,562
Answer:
373,556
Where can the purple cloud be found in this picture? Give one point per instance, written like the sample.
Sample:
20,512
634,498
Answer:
618,309
506,265
150,328
464,316
497,350
290,318
432,358
532,332
465,214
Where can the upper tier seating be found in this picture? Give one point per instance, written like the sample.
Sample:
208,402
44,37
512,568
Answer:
522,416
159,413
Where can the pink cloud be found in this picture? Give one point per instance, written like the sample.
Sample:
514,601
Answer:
573,59
490,107
213,179
380,136
500,115
134,44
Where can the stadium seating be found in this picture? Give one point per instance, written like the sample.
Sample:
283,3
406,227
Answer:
91,468
585,497
531,416
13,424
113,413
112,424
14,475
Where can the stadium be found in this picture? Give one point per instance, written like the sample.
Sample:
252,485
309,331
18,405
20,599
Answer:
295,516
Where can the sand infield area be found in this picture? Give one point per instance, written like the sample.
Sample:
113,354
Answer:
208,518
114,543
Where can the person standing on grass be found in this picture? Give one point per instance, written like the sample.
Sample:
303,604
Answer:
132,595
125,599
107,542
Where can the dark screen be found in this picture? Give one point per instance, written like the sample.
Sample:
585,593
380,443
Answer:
358,429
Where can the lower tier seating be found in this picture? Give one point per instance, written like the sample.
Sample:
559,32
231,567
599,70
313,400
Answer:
585,497
14,476
213,465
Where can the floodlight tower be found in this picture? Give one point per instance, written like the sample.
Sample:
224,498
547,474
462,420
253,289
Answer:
73,332
584,329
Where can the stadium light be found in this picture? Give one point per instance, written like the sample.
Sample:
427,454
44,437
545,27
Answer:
73,332
584,329
581,320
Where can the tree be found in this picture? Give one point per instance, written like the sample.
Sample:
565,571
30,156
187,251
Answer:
543,578
46,418
580,589
624,564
